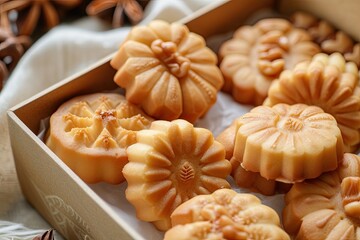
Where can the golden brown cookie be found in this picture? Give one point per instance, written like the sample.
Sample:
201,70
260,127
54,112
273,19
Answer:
327,37
327,207
224,215
256,55
328,82
168,71
288,143
90,133
171,163
319,30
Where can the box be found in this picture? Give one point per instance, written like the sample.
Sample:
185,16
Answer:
60,196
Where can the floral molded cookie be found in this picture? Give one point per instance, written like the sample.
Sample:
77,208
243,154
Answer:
90,133
328,82
329,39
327,207
288,143
171,163
319,30
225,215
256,55
168,71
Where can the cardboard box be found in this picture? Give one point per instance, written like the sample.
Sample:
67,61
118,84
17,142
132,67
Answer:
61,197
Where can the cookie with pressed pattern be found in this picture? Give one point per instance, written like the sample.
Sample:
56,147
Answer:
168,71
327,207
329,82
256,55
171,163
225,214
330,39
90,133
287,143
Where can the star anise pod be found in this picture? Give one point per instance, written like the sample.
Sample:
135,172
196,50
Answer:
11,49
30,11
120,10
4,73
48,235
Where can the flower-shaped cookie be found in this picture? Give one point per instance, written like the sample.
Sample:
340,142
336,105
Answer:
171,163
288,143
328,82
90,133
327,207
168,71
319,30
256,55
225,214
327,37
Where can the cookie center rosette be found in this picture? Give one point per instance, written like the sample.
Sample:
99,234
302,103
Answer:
287,143
90,133
168,71
171,163
256,55
328,82
225,214
327,207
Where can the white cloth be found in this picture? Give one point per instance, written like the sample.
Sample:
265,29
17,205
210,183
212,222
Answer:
64,50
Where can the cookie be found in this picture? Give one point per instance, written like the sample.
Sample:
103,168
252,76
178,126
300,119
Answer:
256,55
168,71
327,207
329,39
328,81
287,143
90,134
171,163
225,214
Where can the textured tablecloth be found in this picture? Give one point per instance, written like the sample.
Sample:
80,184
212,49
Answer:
64,50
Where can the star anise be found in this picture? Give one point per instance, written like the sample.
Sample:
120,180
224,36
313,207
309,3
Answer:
29,12
4,73
48,235
11,49
119,9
